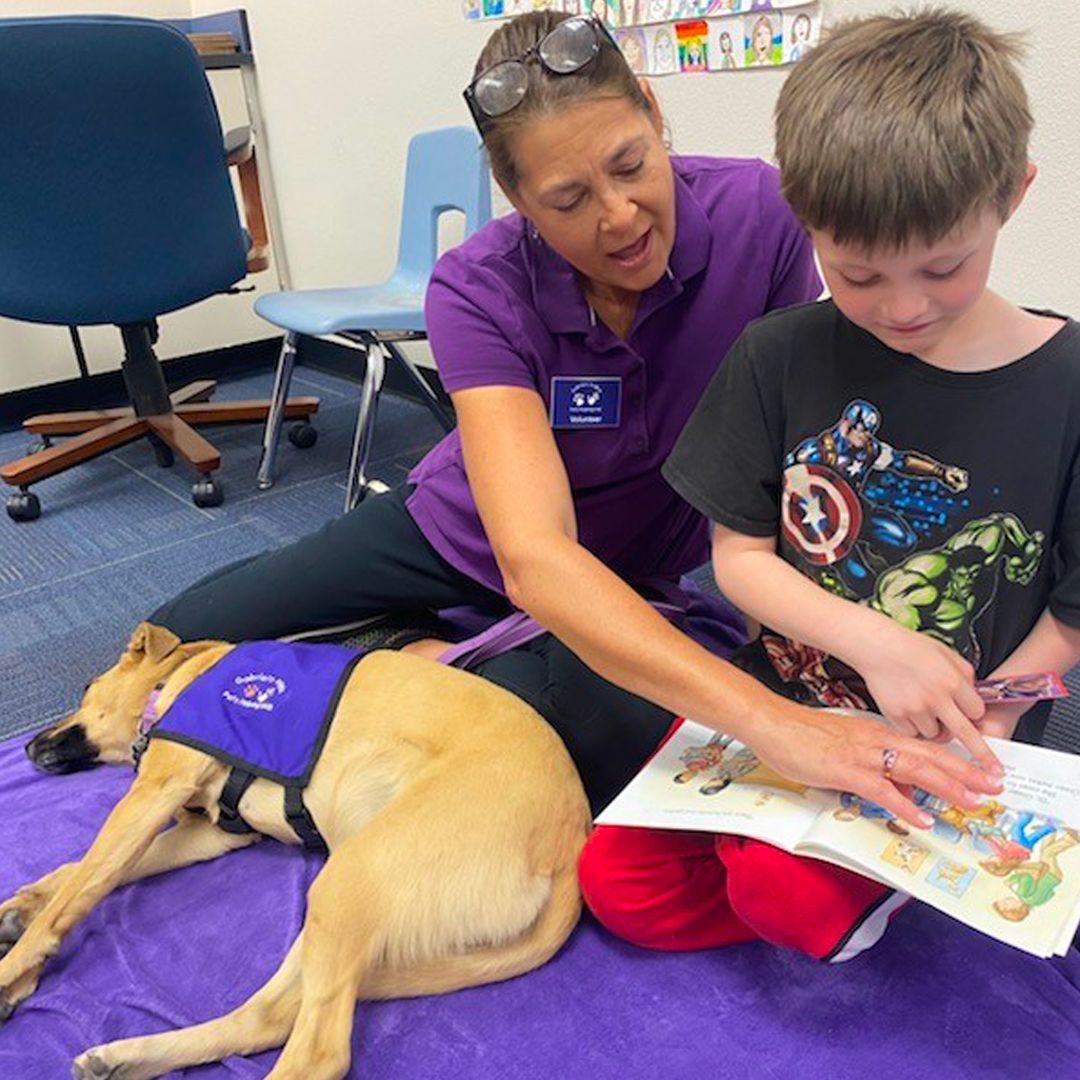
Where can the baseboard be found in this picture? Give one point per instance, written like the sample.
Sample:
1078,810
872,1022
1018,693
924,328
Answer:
106,390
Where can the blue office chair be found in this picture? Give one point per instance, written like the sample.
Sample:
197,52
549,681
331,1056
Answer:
446,170
116,206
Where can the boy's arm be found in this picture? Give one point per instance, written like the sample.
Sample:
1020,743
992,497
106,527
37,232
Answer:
917,682
1051,646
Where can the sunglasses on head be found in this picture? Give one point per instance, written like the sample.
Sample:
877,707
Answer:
567,48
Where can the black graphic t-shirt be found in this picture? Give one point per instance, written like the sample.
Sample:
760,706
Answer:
948,501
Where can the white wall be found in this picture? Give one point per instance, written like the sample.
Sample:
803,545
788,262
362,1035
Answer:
344,83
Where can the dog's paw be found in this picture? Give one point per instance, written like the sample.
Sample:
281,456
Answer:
7,1007
92,1066
11,926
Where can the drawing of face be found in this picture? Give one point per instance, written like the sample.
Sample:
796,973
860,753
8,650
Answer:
800,32
693,54
761,42
726,45
628,12
658,9
664,50
634,52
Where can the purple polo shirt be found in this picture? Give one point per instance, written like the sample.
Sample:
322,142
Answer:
503,309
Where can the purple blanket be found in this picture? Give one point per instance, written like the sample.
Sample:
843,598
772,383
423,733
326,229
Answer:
932,1000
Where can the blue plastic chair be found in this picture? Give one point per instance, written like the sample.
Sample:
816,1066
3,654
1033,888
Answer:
446,170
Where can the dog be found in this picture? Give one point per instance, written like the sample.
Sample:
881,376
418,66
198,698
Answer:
451,863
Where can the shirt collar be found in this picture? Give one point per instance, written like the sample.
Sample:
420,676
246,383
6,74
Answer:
557,293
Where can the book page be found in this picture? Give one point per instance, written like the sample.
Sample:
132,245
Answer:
1010,868
705,781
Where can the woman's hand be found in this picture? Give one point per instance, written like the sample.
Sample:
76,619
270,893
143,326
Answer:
848,753
921,685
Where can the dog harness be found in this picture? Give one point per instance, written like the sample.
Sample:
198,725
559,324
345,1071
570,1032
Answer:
265,708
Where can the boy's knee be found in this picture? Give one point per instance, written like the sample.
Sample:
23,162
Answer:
611,883
642,884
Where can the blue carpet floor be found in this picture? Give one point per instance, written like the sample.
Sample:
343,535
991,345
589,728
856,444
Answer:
119,535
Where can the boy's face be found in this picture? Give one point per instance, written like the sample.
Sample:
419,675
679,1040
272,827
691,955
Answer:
913,297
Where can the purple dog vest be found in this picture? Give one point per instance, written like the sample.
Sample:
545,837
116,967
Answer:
265,708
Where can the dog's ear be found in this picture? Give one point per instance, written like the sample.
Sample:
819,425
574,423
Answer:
155,641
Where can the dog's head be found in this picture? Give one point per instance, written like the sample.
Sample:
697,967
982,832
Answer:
106,723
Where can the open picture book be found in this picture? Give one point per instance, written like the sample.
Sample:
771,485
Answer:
1011,868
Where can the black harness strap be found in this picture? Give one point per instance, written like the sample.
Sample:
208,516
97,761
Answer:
297,815
229,817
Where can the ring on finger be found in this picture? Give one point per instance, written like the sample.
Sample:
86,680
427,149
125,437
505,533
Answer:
888,761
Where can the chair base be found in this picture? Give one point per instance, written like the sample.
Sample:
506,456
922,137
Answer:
96,432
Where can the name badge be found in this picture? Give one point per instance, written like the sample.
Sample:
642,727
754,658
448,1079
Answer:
584,401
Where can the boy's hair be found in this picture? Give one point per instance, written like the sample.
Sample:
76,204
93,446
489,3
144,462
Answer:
898,127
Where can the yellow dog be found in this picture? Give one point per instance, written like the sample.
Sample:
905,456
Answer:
454,819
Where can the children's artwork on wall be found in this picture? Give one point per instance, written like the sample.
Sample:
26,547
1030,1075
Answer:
665,37
801,32
726,52
693,38
763,40
663,58
632,43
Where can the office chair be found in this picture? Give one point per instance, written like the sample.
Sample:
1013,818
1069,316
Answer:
445,170
116,206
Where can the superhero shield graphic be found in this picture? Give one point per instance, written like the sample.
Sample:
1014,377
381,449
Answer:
820,513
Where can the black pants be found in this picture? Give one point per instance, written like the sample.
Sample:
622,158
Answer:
375,559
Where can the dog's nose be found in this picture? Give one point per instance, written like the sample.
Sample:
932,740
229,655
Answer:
64,751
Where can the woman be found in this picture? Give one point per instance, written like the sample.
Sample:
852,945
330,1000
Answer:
575,338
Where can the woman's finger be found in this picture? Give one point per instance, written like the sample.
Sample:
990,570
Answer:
941,772
925,773
886,794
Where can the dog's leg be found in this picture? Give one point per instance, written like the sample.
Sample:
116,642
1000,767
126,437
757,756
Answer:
155,797
194,839
343,935
261,1023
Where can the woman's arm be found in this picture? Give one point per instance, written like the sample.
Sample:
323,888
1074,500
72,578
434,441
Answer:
916,681
524,499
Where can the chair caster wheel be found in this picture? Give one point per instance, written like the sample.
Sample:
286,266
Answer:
23,506
38,445
303,436
163,453
207,492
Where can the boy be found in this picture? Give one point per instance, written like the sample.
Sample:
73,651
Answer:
890,472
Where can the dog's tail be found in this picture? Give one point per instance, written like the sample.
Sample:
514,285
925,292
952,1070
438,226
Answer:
456,971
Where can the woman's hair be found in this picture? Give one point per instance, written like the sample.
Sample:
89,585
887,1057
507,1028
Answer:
606,75
899,127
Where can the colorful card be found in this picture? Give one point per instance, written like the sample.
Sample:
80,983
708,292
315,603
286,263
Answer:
1038,686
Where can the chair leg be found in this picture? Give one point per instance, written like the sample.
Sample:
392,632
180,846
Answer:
271,433
374,373
441,413
84,447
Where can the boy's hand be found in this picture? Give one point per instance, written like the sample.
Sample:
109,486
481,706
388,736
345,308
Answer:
1000,721
848,753
922,686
